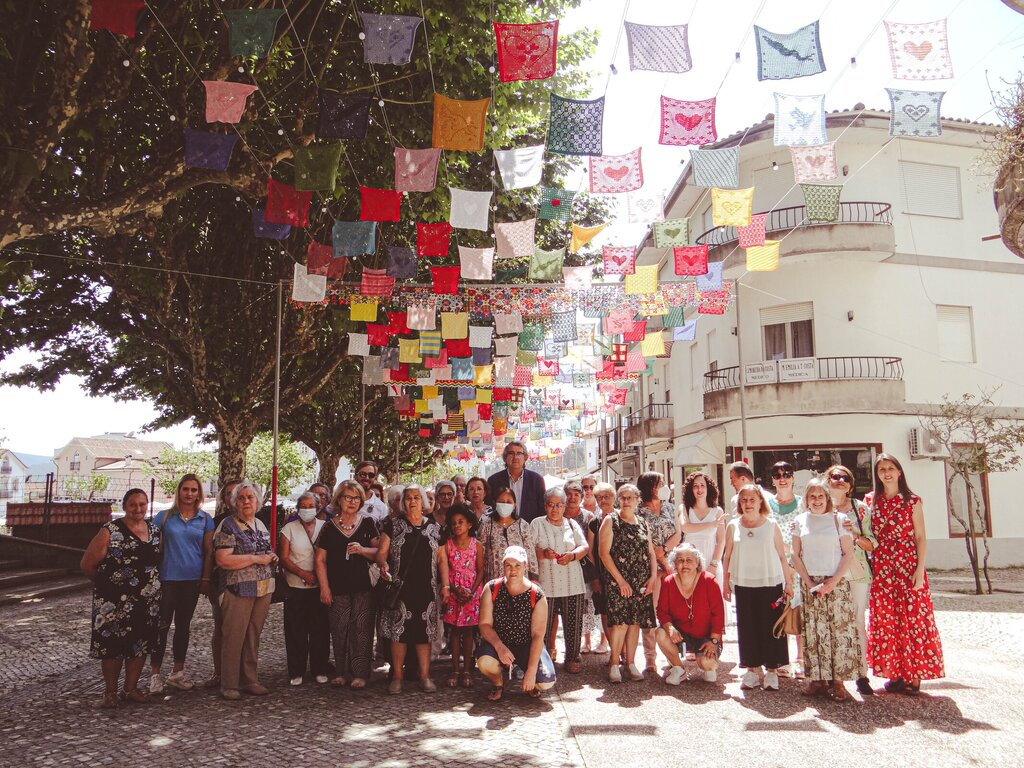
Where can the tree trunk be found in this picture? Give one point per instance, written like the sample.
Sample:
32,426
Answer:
232,443
972,540
972,557
329,460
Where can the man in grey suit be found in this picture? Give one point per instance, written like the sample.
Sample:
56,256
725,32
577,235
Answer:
527,485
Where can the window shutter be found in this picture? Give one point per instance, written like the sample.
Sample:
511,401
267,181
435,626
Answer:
955,332
931,190
787,313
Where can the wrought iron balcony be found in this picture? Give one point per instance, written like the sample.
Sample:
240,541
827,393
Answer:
652,422
826,368
782,219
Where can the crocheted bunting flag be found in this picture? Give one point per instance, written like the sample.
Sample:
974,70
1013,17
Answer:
522,376
763,258
712,281
526,51
577,278
455,325
636,362
430,343
316,167
225,102
480,336
343,115
658,49
459,125
685,332
520,168
785,56
358,345
398,323
469,209
643,280
482,356
320,260
505,274
268,230
409,351
716,167
508,322
690,260
653,344
401,262
915,113
531,338
251,31
619,259
380,204
445,280
117,16
616,173
644,207
799,120
563,329
376,282
208,150
515,239
363,308
581,380
555,204
462,370
753,234
421,317
687,123
354,238
713,303
575,126
483,376
440,361
307,287
416,169
433,239
547,367
583,235
546,265
504,369
672,233
814,163
673,318
919,51
286,204
388,39
476,263
731,207
616,395
821,201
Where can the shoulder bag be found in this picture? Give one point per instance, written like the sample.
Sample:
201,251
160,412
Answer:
788,623
389,591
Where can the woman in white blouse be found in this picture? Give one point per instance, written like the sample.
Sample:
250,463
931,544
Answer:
560,546
702,521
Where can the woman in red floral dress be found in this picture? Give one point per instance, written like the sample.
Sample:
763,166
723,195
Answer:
904,643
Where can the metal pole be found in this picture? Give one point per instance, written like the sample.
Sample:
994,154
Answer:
643,450
152,493
277,414
743,388
47,500
362,416
602,451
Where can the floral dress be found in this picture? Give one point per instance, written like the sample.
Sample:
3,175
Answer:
903,641
631,556
462,573
126,595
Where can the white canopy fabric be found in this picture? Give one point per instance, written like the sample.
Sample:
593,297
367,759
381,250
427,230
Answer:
706,447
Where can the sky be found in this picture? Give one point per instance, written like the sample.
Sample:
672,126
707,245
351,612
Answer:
986,47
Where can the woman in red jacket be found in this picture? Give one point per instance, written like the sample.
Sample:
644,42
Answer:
691,615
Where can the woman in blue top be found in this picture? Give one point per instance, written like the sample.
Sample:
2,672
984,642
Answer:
186,560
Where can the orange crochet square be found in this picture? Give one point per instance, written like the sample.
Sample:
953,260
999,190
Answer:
458,124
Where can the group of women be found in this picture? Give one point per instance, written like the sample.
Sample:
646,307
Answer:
607,561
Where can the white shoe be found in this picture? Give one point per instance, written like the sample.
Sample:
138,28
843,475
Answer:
614,674
634,674
771,681
321,679
296,680
710,676
156,684
675,676
180,680
751,679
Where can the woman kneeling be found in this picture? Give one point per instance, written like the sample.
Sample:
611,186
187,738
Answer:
691,614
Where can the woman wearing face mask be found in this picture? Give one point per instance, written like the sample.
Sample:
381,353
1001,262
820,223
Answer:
502,529
305,618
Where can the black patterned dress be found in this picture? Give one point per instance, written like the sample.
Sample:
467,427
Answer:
126,595
632,557
416,617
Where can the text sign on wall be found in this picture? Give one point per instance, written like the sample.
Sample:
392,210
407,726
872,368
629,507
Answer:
798,369
761,373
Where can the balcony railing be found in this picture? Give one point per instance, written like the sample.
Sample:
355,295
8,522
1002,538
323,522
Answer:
649,413
796,217
828,368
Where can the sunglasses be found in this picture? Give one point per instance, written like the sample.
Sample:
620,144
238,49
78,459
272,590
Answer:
365,474
839,477
588,487
781,473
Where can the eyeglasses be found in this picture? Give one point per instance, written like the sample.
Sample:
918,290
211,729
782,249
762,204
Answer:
588,487
446,495
628,496
514,453
351,497
781,473
839,477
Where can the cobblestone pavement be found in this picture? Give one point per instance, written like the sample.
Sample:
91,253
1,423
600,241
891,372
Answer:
49,688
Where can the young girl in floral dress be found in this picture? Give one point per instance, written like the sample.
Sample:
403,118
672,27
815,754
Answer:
461,568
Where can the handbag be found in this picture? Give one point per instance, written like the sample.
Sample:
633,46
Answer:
858,570
788,623
389,590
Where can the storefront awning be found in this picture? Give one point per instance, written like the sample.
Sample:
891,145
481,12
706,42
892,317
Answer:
707,447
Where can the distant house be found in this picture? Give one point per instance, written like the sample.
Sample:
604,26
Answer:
124,460
22,477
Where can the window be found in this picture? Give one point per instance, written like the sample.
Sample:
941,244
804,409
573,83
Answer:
696,371
931,190
788,331
76,462
712,351
5,465
955,332
956,504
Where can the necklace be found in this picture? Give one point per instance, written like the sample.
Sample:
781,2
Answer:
688,603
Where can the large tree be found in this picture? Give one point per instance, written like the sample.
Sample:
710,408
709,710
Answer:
141,274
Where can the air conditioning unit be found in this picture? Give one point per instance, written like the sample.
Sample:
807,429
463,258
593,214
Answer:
925,444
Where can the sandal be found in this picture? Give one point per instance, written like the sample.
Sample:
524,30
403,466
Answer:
815,688
572,667
895,686
911,689
467,680
839,693
496,692
453,681
339,682
110,700
535,693
357,684
134,695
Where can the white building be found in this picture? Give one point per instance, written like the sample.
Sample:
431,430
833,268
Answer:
22,477
866,324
